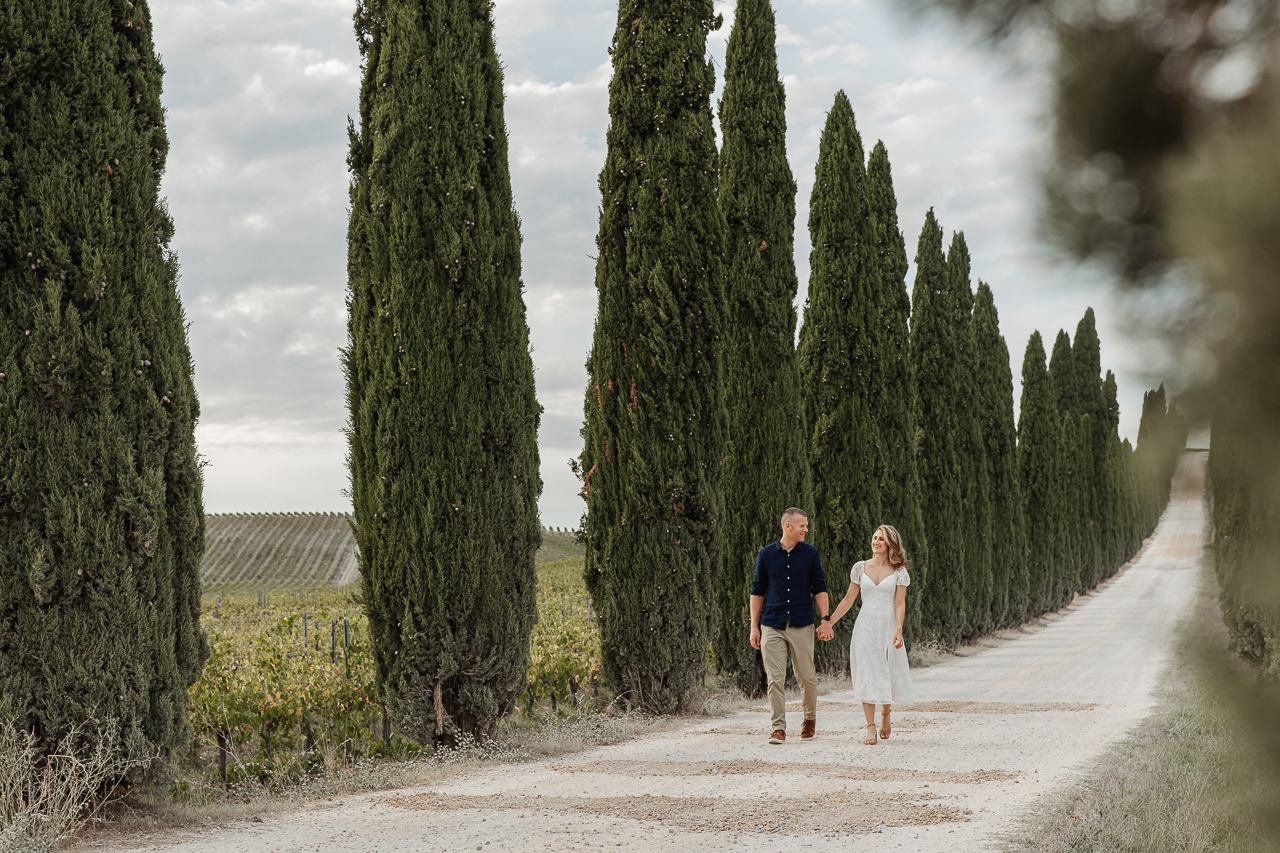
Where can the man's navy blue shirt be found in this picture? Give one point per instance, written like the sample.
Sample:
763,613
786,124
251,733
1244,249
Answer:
788,580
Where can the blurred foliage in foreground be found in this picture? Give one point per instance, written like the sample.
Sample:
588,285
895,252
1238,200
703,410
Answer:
1168,165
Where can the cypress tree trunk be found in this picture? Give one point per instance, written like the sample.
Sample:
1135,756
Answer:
101,521
971,451
838,364
994,396
894,411
934,353
655,424
768,467
1039,438
443,459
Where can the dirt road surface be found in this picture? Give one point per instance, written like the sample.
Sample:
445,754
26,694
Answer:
992,732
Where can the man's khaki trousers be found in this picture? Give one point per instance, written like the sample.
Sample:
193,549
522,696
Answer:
774,645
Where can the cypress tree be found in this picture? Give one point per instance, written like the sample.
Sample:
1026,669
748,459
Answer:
1099,507
768,467
655,422
101,522
994,396
970,448
1039,437
1062,373
443,417
894,412
934,353
837,363
1067,580
1062,376
1121,520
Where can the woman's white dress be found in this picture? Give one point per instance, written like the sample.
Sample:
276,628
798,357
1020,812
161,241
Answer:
880,672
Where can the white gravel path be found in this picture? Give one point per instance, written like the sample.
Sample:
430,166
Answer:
993,731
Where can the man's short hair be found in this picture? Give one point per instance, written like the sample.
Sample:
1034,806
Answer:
790,514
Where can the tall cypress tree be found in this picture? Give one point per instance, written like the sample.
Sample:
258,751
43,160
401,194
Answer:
894,409
655,423
1039,437
934,353
101,519
443,430
1099,509
1120,518
837,363
768,466
994,396
1068,579
1062,375
971,450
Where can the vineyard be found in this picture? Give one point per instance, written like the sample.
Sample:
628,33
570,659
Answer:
289,683
282,551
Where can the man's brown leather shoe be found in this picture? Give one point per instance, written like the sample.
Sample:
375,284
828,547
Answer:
778,736
806,731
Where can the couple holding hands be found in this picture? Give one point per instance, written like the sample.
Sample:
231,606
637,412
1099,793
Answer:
788,578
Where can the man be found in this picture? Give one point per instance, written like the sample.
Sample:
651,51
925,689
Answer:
788,574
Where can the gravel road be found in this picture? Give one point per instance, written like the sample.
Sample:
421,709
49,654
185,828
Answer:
994,730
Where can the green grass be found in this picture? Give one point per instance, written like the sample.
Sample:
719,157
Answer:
1201,773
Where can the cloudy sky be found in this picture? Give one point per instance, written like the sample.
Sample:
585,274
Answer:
259,92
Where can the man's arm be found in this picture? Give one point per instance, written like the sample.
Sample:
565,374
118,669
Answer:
759,586
825,631
757,604
818,587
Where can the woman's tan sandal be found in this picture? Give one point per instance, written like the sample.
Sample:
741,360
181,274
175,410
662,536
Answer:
871,734
885,728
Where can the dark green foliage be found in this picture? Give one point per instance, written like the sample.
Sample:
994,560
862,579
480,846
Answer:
971,451
101,519
935,348
1068,578
443,431
994,395
655,424
838,369
1062,373
1099,487
894,410
1162,434
767,468
1039,438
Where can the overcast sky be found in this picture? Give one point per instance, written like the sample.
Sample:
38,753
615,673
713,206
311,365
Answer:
259,92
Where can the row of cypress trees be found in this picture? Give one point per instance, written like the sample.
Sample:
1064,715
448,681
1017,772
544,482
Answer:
889,410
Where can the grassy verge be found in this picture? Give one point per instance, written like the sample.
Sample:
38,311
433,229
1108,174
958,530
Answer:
1199,774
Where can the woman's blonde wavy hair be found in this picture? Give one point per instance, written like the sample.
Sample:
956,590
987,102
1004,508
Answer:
892,538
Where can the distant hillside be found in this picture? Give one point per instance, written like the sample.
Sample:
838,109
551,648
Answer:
278,551
249,552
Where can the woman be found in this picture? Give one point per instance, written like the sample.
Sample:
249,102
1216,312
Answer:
877,660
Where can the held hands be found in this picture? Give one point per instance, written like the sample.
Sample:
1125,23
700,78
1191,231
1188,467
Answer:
825,631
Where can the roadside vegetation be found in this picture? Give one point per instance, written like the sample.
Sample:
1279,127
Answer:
1191,776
